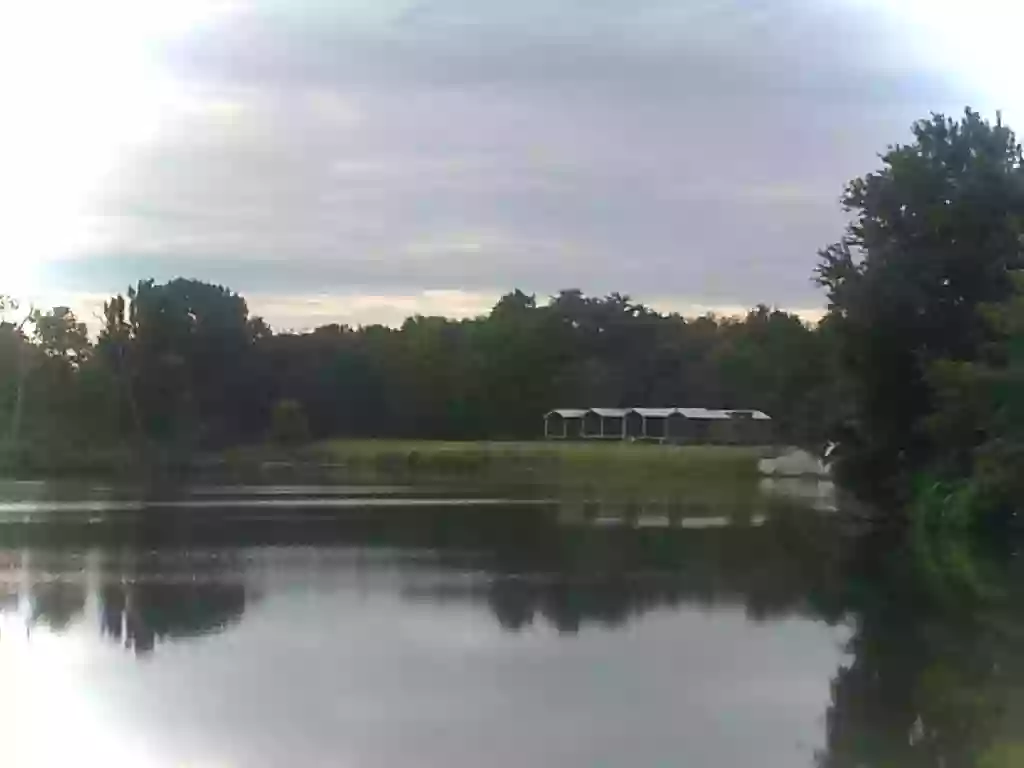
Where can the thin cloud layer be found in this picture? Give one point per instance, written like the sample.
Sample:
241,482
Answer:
693,152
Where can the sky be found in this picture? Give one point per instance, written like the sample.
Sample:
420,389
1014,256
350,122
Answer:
362,160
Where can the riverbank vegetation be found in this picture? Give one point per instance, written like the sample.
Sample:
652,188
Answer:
916,370
609,470
925,309
182,368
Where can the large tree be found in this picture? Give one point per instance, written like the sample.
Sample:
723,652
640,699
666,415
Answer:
15,362
935,235
183,353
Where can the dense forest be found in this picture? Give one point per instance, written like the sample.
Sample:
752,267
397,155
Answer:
916,370
184,362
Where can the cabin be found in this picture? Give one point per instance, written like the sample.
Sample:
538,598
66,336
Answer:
690,425
666,425
648,423
605,423
564,423
720,427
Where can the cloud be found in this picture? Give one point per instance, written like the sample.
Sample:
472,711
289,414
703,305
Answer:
307,311
687,150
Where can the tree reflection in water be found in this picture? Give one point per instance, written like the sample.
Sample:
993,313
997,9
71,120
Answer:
936,670
580,575
139,614
57,602
139,603
10,568
168,596
935,675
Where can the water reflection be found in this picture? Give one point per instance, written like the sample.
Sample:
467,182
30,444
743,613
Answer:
571,577
822,647
140,599
57,603
524,568
138,614
936,676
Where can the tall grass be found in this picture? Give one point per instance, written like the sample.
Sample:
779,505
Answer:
632,456
31,459
620,468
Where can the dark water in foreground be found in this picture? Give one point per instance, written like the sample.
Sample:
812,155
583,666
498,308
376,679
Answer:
280,629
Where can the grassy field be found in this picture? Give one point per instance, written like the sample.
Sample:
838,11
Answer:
623,468
611,465
33,460
611,470
585,454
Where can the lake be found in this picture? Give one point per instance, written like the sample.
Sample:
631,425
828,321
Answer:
400,626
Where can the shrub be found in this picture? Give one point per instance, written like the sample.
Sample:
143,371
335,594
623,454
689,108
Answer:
288,424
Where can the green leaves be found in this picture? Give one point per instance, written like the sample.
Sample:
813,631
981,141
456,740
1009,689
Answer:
59,334
183,363
288,424
935,239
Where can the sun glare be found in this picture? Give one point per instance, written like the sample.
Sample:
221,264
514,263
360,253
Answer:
81,84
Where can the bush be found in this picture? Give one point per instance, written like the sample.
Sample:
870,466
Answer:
288,424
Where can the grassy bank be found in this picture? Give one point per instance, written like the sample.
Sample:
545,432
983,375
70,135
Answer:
36,460
611,471
587,468
622,468
638,459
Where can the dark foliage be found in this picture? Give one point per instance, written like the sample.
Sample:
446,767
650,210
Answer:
935,239
182,364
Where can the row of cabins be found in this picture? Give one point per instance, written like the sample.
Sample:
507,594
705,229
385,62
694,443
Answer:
673,425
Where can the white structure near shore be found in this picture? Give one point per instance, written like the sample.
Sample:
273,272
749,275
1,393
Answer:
795,462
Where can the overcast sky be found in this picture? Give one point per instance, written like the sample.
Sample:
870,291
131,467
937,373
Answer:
358,160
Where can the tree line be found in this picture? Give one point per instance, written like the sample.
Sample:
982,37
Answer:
916,370
184,362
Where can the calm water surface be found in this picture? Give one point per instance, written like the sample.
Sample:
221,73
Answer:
275,630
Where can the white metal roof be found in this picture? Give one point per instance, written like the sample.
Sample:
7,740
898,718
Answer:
659,413
713,413
717,413
700,413
689,413
755,415
609,413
